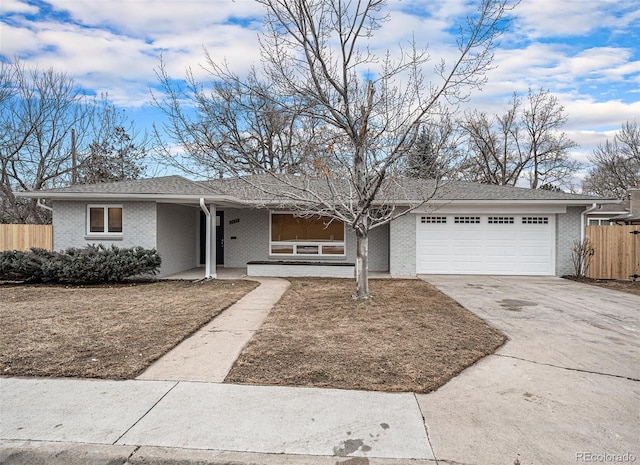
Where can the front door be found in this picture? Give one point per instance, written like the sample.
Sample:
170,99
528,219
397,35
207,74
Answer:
219,238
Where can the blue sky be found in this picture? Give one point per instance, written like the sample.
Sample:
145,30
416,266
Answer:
586,52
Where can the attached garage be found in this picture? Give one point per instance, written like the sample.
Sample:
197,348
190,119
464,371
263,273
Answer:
500,244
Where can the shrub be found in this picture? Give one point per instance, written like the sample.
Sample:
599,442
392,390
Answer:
581,255
91,264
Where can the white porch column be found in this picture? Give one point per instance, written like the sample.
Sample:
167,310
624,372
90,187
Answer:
210,240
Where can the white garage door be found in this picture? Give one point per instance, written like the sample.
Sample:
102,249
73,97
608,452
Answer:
485,244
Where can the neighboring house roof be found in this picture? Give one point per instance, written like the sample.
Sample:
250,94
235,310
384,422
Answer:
609,209
627,218
251,190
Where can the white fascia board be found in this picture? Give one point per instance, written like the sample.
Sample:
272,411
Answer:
90,196
494,208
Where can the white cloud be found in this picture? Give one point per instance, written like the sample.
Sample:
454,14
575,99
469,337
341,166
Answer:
16,6
153,18
564,18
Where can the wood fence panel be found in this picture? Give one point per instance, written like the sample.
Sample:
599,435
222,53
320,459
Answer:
25,236
616,252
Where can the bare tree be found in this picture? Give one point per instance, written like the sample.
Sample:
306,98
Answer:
525,142
495,157
39,111
240,126
357,114
616,164
36,120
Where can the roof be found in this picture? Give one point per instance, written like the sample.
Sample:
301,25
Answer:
609,209
403,190
627,217
161,185
266,189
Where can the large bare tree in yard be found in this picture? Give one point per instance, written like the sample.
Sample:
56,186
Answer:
526,142
349,117
39,111
616,164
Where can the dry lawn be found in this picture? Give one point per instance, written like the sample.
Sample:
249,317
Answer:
409,337
103,331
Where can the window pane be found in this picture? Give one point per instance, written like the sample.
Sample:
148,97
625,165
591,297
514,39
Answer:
283,249
333,250
287,227
115,220
96,220
307,250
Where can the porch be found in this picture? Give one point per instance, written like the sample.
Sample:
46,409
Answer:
195,274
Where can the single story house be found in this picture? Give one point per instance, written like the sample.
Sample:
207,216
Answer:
466,228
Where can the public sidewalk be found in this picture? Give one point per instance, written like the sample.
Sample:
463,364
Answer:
133,416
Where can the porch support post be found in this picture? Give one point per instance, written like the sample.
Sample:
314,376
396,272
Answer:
210,237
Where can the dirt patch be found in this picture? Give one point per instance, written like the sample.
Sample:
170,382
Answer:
409,337
109,331
632,287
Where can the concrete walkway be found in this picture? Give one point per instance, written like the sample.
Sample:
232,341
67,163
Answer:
209,354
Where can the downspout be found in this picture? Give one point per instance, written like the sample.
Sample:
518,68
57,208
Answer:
41,205
583,221
207,260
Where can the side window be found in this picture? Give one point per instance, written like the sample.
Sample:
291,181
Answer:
104,219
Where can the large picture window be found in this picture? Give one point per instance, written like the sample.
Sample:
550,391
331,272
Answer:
293,235
104,219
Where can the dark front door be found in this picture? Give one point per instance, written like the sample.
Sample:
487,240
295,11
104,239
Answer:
219,238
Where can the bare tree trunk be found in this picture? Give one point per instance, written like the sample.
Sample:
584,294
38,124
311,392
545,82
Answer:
362,263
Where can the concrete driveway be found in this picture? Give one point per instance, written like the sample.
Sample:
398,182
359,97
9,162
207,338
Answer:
564,389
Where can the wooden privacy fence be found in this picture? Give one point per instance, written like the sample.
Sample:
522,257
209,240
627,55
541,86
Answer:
616,252
25,236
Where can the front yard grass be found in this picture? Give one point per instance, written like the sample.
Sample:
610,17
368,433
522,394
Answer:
409,337
106,331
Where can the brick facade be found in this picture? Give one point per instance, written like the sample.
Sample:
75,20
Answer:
177,237
402,244
567,232
70,225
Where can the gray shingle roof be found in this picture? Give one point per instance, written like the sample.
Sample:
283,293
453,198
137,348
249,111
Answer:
167,185
401,190
251,189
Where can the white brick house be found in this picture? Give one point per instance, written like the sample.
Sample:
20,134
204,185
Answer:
466,228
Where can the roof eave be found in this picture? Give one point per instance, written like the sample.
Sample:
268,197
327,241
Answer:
572,202
84,196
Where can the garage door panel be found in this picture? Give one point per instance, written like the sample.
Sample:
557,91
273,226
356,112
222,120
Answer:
496,245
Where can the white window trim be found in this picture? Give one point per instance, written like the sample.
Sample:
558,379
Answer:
295,244
105,207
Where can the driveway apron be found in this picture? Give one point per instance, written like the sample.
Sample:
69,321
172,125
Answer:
565,388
